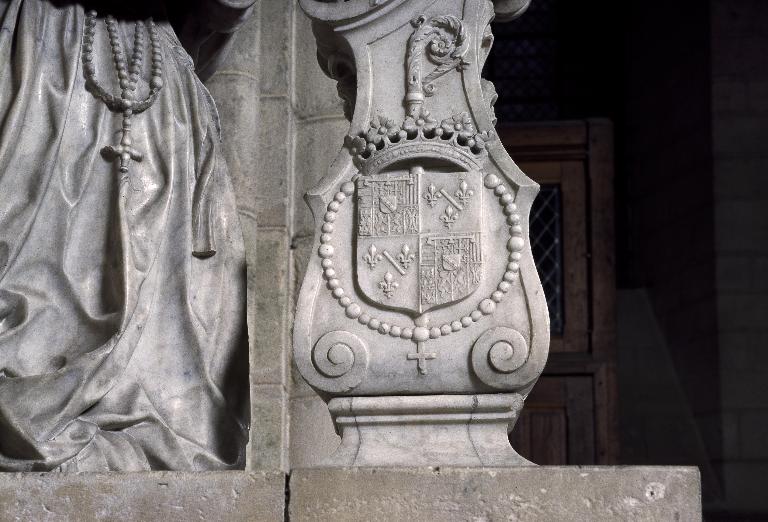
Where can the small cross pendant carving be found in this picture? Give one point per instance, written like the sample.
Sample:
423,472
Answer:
124,152
422,358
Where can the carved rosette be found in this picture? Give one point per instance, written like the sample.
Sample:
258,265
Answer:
422,281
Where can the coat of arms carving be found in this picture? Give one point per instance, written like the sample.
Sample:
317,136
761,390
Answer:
421,306
422,262
433,252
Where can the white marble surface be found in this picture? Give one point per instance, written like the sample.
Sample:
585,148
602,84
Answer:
422,281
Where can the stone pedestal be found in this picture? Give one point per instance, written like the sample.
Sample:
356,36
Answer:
436,430
155,496
526,494
421,308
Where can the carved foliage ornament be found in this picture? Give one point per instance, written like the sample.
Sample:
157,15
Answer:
445,42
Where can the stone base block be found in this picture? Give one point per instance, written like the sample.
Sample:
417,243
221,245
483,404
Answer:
153,496
426,430
495,494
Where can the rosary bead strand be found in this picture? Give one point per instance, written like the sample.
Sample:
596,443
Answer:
128,77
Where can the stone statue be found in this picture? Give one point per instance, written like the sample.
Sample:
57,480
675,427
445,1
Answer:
421,319
122,288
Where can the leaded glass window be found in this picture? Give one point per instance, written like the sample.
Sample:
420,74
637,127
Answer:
546,244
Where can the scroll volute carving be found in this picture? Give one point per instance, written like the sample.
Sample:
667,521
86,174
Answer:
442,40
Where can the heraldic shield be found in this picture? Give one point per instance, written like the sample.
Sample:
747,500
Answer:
419,241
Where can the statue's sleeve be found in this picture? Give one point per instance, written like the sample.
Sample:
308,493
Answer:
207,30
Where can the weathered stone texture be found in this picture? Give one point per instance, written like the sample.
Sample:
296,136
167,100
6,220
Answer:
164,496
525,494
253,92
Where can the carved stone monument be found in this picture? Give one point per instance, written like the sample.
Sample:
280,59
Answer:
122,293
421,319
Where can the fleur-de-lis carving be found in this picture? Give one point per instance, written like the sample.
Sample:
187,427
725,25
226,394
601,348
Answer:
389,285
405,257
464,193
432,195
449,217
372,257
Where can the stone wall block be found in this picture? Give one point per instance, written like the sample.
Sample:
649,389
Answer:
745,389
741,135
757,94
268,446
753,432
745,484
745,17
750,170
244,54
743,273
167,496
742,226
269,300
746,350
749,48
275,137
742,311
729,95
276,43
740,101
238,104
731,448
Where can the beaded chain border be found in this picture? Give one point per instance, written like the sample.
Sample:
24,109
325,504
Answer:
420,332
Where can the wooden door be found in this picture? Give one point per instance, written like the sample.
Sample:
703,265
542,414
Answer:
570,417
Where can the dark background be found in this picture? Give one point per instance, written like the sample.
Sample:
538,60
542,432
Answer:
685,84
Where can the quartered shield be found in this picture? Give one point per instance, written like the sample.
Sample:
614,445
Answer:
418,237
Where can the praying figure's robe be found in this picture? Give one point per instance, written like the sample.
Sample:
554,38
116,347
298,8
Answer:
122,294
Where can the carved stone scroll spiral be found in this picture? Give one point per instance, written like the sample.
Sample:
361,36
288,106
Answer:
445,42
341,360
497,354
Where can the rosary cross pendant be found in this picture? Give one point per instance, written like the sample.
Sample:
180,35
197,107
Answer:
123,152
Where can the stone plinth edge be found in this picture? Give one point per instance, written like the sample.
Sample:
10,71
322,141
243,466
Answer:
165,496
523,493
463,430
